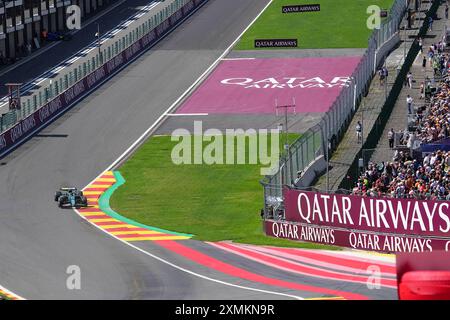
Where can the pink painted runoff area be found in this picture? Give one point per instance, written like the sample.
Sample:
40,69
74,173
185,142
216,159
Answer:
252,86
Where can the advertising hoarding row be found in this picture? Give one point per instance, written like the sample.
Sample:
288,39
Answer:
377,224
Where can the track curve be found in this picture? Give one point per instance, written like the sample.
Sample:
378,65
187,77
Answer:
38,241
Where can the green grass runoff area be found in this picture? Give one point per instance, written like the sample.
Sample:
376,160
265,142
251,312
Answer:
339,24
213,202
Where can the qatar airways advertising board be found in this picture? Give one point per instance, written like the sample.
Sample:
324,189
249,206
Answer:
376,224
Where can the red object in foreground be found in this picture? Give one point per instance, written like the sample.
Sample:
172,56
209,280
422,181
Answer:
425,285
423,276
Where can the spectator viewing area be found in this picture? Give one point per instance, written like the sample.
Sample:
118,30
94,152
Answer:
420,165
412,171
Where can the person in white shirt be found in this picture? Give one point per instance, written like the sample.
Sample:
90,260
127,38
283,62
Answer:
359,131
409,102
409,79
391,135
433,159
426,160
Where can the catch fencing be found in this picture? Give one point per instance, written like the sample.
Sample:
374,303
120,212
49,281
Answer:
319,141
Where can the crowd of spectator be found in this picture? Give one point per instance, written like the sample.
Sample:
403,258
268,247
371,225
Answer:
425,176
408,177
405,177
433,121
429,121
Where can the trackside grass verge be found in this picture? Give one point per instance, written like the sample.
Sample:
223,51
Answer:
339,24
213,202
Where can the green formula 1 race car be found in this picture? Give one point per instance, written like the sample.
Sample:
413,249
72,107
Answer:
70,197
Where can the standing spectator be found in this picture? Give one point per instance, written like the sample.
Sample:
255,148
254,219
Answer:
441,46
422,90
430,56
409,79
435,67
424,63
444,64
391,135
385,72
430,23
427,88
359,131
421,45
381,75
409,102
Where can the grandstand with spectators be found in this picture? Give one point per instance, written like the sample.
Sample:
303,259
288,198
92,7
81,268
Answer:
420,166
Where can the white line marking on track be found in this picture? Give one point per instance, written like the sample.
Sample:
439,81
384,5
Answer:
362,277
227,50
186,114
234,59
189,271
167,112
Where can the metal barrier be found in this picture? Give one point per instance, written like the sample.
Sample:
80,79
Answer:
390,27
27,124
376,132
324,137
